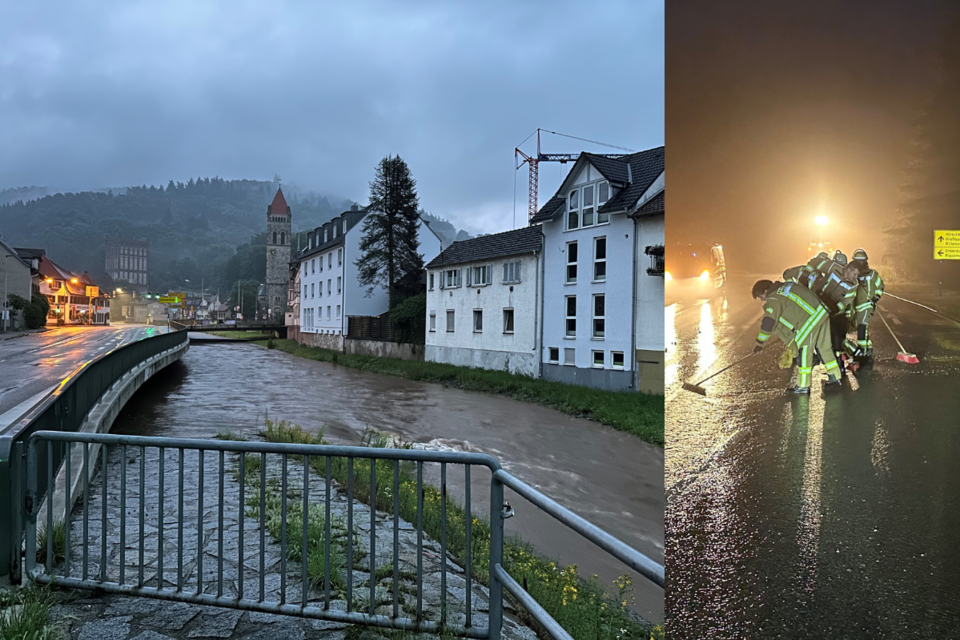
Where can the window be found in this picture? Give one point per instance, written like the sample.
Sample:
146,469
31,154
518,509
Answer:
274,237
334,232
617,359
554,354
313,266
328,312
321,264
478,276
324,235
569,357
598,359
603,193
339,257
511,271
338,283
329,287
599,312
571,316
452,278
304,291
330,260
508,320
283,237
477,320
433,321
312,290
450,318
573,210
571,262
587,212
338,311
599,259
431,282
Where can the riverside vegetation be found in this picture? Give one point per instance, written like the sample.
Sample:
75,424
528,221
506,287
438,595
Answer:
639,414
582,605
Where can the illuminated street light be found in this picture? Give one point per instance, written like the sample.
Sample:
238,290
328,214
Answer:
821,220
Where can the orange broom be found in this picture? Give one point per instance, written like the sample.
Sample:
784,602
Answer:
903,356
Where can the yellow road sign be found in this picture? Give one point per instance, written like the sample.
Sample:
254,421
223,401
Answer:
168,300
946,253
946,238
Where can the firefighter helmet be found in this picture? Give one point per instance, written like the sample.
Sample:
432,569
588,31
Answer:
839,258
823,254
860,254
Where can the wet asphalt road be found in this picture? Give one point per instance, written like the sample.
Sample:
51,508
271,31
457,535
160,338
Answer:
34,362
834,517
611,478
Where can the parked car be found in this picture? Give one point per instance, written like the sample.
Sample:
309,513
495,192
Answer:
695,268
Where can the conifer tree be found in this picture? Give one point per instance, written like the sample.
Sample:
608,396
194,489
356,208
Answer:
389,246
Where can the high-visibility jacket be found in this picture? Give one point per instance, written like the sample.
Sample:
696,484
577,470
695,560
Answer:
791,313
837,294
804,274
869,291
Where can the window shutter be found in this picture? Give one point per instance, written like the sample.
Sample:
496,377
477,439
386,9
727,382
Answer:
489,274
459,280
519,270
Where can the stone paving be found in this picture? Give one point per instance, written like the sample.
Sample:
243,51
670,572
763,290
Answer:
126,617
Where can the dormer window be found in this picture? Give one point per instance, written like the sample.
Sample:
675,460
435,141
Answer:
603,192
335,230
324,235
573,212
582,205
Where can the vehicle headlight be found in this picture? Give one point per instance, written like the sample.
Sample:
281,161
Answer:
667,276
704,276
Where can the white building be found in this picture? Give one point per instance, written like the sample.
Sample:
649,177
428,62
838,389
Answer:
590,279
15,278
482,308
330,289
648,311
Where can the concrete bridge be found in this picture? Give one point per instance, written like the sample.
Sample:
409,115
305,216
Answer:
278,330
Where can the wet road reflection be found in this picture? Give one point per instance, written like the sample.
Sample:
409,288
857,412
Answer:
608,477
812,517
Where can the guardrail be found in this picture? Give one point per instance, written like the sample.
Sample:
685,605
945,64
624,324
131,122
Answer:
164,481
64,410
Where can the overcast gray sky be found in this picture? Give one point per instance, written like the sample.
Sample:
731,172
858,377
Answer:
97,94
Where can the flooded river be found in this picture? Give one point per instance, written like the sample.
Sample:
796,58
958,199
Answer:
612,479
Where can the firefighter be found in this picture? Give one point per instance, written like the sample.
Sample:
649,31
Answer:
869,292
807,274
796,316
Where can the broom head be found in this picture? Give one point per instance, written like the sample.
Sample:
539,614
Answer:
694,388
909,358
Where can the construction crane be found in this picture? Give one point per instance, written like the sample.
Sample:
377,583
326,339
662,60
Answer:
534,163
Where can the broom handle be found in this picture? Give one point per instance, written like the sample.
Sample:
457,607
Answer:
902,350
729,366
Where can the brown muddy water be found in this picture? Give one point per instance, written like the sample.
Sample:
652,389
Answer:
611,478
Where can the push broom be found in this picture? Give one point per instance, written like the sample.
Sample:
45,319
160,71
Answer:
903,356
697,388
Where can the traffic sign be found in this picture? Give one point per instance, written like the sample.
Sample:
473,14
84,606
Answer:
946,253
946,238
168,300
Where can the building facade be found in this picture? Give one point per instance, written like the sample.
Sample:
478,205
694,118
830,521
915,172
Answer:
15,280
589,284
648,316
330,289
126,261
482,306
278,257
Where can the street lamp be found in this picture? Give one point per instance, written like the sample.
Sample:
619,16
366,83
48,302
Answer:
821,221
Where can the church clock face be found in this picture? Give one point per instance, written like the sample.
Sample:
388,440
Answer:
273,252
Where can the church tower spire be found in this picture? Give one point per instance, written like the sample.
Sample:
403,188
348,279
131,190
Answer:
279,219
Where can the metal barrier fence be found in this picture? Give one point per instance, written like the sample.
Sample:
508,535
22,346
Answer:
64,409
301,479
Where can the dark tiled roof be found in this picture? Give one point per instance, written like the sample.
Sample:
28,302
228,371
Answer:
508,243
652,207
645,167
634,173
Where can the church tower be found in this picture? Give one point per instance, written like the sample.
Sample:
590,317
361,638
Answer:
278,256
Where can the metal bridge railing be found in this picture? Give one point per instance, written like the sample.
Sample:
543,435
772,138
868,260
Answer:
194,540
65,410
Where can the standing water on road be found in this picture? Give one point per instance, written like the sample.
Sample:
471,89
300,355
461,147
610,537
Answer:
611,478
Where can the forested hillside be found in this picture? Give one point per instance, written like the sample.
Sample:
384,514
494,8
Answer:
209,230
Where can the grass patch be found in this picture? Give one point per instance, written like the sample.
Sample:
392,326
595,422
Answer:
57,537
639,414
24,614
583,606
226,434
